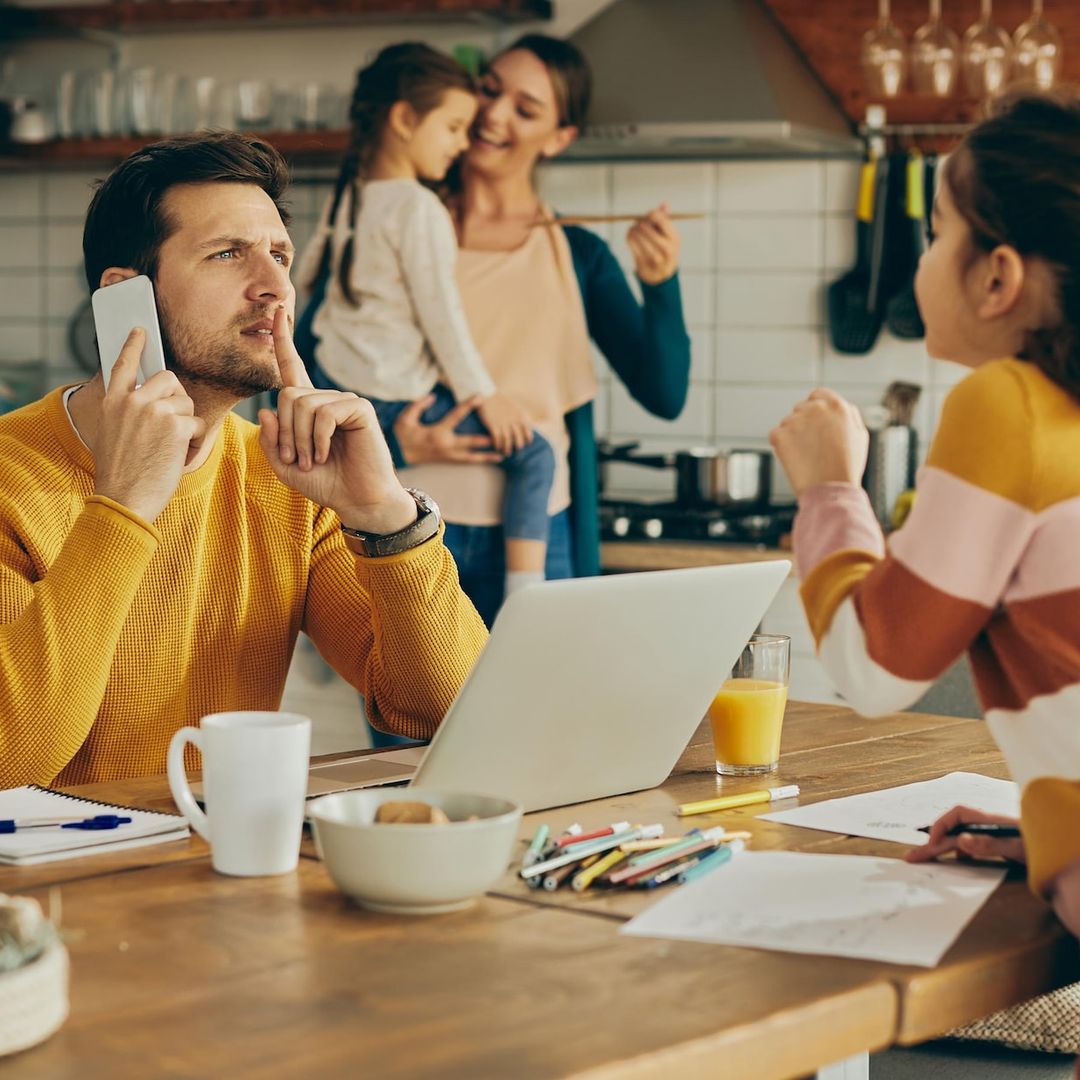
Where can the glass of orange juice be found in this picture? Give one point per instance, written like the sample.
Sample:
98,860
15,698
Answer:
747,713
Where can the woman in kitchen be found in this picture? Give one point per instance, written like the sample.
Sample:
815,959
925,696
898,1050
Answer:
536,295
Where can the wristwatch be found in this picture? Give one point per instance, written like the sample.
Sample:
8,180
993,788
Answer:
423,528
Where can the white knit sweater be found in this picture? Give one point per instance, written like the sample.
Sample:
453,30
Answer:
408,330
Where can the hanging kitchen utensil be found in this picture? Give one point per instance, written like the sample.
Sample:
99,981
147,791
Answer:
902,312
853,324
877,288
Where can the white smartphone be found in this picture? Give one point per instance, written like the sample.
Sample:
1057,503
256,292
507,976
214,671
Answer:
118,309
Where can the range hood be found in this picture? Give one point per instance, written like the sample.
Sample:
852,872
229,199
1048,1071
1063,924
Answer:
702,78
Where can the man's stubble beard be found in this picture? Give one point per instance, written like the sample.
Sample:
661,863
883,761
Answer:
197,360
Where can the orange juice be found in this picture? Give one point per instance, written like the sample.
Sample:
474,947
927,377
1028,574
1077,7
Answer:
747,715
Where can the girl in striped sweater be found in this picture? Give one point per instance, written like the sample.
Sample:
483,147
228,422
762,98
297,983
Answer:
989,559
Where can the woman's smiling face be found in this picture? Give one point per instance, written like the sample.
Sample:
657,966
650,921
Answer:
518,120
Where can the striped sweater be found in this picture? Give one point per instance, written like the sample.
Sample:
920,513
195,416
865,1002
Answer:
987,562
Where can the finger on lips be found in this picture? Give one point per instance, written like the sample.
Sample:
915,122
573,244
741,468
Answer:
290,366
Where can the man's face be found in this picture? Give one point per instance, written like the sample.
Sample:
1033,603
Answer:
220,277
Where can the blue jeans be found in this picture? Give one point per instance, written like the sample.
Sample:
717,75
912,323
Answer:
480,554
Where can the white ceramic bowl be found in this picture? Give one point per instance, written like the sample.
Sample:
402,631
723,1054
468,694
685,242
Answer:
414,869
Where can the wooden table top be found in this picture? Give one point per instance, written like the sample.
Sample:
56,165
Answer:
177,970
625,555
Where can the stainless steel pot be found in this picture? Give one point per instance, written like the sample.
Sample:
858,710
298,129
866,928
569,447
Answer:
707,475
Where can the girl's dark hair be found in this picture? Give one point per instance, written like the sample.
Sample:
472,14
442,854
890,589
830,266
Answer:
409,72
569,72
125,225
1015,179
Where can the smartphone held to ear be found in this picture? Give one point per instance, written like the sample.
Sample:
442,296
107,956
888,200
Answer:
118,309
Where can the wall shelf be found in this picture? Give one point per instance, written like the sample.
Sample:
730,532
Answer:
154,16
829,34
298,146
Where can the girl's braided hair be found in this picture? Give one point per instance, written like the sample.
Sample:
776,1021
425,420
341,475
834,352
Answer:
409,72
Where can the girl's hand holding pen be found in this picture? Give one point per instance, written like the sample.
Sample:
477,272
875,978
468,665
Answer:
969,845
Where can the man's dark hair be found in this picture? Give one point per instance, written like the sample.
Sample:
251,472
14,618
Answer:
125,225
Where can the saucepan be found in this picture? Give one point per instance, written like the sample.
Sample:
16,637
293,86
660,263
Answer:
707,475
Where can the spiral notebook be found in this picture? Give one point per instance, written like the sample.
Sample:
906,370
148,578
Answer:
23,847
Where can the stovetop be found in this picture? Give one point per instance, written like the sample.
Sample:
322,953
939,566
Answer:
630,519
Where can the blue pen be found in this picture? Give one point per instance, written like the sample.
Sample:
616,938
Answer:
711,862
101,821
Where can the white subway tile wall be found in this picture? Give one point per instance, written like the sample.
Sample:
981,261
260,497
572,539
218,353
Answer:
755,270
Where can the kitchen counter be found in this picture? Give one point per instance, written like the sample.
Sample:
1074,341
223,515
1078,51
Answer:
619,556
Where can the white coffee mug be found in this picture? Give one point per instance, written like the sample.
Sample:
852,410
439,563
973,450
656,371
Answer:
254,776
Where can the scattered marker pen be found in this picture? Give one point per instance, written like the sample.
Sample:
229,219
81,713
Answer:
711,862
747,798
634,873
611,830
594,847
536,848
588,874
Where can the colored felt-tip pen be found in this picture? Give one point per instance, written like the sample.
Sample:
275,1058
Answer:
586,845
730,802
710,862
618,827
632,874
536,849
593,847
585,877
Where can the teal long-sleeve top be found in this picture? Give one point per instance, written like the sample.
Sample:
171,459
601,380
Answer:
647,347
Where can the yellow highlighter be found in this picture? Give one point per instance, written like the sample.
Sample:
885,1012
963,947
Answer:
747,798
584,878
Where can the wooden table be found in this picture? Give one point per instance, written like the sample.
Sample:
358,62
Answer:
177,971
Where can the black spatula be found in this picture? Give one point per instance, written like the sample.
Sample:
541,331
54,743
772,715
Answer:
854,322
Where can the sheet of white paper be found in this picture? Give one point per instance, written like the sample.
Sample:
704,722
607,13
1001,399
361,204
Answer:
837,905
896,813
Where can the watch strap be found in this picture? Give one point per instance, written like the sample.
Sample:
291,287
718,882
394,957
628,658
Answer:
426,525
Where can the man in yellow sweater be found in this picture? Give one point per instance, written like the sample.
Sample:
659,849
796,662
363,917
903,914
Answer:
159,555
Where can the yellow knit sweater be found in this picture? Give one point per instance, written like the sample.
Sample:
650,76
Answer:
114,632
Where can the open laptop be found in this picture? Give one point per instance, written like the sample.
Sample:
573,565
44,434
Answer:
587,688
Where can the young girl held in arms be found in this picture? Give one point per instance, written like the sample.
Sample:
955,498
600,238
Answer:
392,327
987,561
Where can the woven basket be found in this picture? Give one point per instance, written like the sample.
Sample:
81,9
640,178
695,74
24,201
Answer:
34,1000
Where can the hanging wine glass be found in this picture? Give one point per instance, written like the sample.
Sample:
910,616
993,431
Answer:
884,56
1038,50
987,56
935,56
